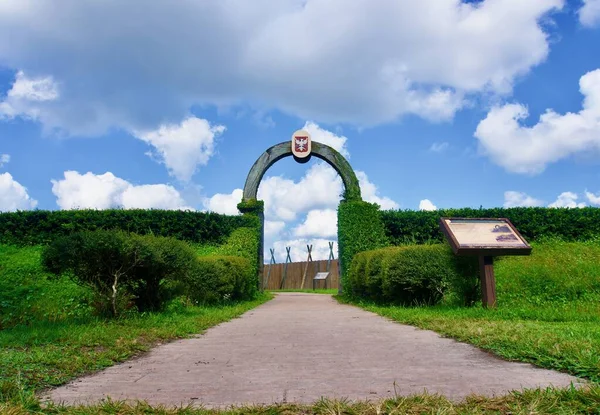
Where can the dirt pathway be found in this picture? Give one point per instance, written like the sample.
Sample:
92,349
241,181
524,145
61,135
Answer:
300,347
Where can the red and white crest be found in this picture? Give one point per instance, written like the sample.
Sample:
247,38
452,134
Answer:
301,144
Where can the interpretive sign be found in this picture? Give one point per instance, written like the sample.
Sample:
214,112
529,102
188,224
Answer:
485,238
321,276
301,144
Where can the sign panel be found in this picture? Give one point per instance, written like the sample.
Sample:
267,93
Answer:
488,237
321,276
301,144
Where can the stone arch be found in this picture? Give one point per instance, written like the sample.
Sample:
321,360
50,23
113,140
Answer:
250,205
319,150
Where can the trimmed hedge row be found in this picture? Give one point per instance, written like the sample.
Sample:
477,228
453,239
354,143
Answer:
243,243
219,278
359,229
418,227
41,227
413,274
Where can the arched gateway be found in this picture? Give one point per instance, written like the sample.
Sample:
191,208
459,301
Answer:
302,148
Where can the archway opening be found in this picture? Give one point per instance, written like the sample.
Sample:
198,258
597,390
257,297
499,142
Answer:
308,149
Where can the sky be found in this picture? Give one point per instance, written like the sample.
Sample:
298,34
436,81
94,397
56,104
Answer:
166,105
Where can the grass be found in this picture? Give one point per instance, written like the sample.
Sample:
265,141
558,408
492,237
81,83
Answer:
28,294
548,310
537,401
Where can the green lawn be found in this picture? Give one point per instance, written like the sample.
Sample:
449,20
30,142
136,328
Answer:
548,310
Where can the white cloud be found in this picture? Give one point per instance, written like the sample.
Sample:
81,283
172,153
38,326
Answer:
30,98
370,193
439,147
4,159
299,251
105,191
338,142
426,204
273,228
319,223
516,199
320,188
366,64
589,14
592,198
13,196
522,149
567,200
183,147
225,204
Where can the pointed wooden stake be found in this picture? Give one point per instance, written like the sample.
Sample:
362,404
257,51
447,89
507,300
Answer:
308,260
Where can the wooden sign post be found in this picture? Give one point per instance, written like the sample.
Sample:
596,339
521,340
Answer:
485,238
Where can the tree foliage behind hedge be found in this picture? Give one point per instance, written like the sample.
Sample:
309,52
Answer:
41,226
359,229
402,227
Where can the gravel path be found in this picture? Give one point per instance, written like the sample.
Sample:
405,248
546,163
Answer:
299,347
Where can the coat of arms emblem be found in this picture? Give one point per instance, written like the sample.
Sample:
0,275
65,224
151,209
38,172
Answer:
301,144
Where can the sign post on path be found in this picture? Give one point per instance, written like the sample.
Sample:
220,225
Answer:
485,238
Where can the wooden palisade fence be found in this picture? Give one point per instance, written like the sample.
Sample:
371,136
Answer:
299,275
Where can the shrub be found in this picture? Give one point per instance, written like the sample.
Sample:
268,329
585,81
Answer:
582,224
219,278
359,229
165,264
41,227
414,274
244,243
121,268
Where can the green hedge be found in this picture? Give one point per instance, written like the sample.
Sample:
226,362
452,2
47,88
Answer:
359,229
244,243
402,227
220,278
41,227
413,274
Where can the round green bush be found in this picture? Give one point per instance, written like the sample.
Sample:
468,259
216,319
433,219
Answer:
220,278
413,275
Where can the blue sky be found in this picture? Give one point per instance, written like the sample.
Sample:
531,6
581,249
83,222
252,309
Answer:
436,103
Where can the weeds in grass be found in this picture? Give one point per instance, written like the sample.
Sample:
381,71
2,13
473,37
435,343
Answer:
535,401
